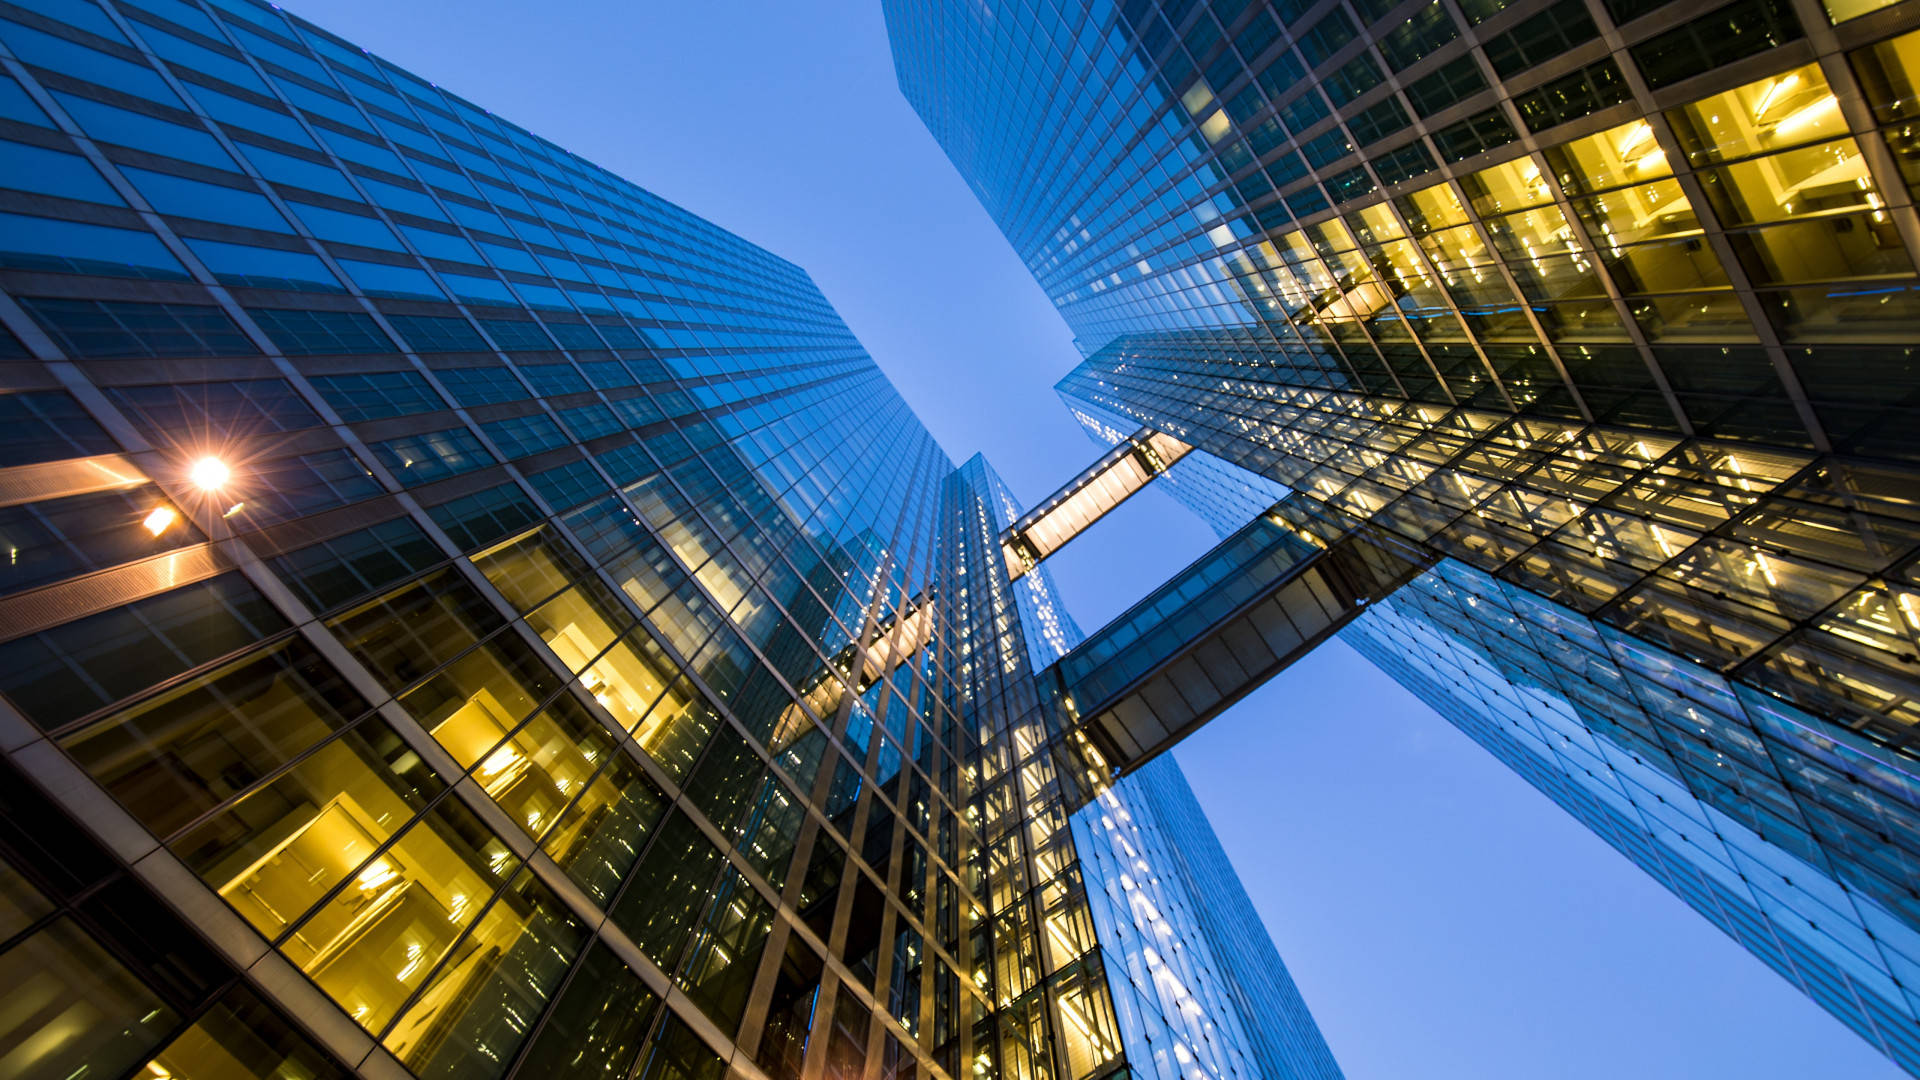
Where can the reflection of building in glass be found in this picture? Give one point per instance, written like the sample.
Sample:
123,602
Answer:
463,616
1602,315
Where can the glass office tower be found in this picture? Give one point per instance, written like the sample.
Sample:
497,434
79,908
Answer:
463,617
1607,308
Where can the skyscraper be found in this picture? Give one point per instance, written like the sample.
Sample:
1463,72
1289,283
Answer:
1600,314
466,617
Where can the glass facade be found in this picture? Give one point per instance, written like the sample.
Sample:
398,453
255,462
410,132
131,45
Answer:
466,617
1605,307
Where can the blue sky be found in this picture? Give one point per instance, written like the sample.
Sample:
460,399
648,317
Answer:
1441,917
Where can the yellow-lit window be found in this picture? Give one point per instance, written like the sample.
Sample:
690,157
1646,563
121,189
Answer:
1828,178
1502,189
1641,212
1432,208
1771,114
1376,224
1628,154
378,939
1890,76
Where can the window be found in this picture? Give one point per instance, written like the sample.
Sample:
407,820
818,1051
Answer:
485,516
111,124
436,333
1355,77
516,335
590,421
1350,184
115,328
64,673
553,380
50,172
1425,30
1573,96
387,279
331,573
36,243
292,486
344,228
1719,37
1379,122
520,436
1480,132
265,268
299,172
1320,41
377,395
45,426
308,333
1541,38
481,385
60,55
1448,84
189,412
1405,163
433,455
58,538
575,336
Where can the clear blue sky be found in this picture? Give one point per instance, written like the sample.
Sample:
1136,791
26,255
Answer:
1442,918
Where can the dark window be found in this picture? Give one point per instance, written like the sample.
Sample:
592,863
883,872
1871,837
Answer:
375,395
1281,76
1254,38
553,380
1571,97
516,335
520,436
1307,201
481,385
291,486
575,336
1479,132
478,519
569,485
1355,77
1305,111
1625,11
1285,169
433,455
619,335
1405,163
1719,37
331,573
1326,149
113,328
191,412
1409,42
46,426
1446,85
1541,38
66,672
1479,11
438,333
590,421
1350,184
307,333
1320,41
1267,137
1379,121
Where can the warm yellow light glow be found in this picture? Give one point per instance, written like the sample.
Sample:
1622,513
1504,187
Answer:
1811,115
210,474
1774,92
160,520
